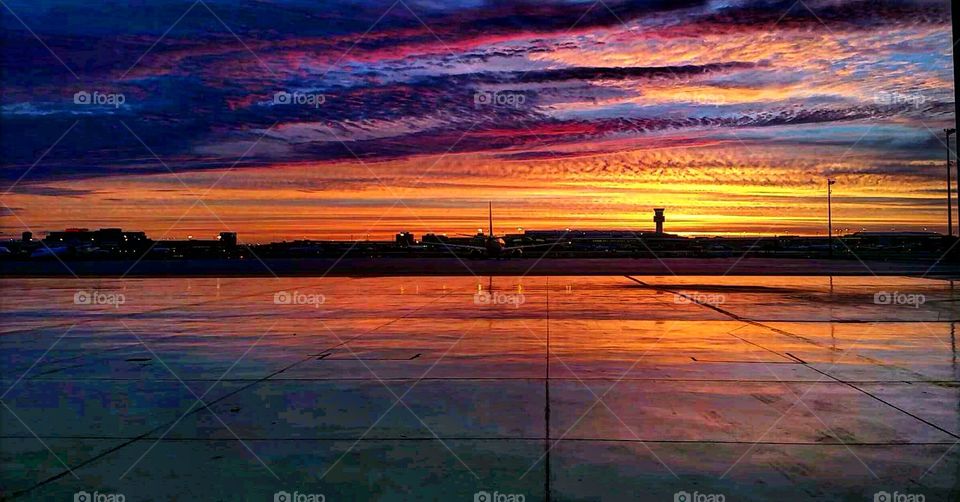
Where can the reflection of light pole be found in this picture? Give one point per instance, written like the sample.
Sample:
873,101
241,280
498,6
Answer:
830,183
949,132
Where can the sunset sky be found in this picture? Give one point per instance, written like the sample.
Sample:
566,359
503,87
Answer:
412,114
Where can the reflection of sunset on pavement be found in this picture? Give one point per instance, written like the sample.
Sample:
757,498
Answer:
791,385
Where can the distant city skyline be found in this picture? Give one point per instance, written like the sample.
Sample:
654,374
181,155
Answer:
421,228
371,117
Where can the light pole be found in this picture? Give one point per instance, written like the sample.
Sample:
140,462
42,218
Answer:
830,183
948,133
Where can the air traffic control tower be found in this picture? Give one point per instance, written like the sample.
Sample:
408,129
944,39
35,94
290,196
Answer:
659,219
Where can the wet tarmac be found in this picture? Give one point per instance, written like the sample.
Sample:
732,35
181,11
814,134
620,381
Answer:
456,388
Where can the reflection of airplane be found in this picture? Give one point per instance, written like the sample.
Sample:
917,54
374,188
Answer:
493,246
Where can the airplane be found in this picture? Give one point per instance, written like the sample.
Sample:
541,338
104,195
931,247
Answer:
493,246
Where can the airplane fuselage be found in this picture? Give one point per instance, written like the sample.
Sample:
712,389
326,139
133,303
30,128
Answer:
494,246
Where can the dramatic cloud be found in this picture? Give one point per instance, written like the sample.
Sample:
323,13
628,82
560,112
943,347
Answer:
192,87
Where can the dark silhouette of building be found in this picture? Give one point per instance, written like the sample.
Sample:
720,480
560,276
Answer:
228,239
658,218
107,238
405,239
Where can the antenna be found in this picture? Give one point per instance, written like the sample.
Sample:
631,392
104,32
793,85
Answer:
491,219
